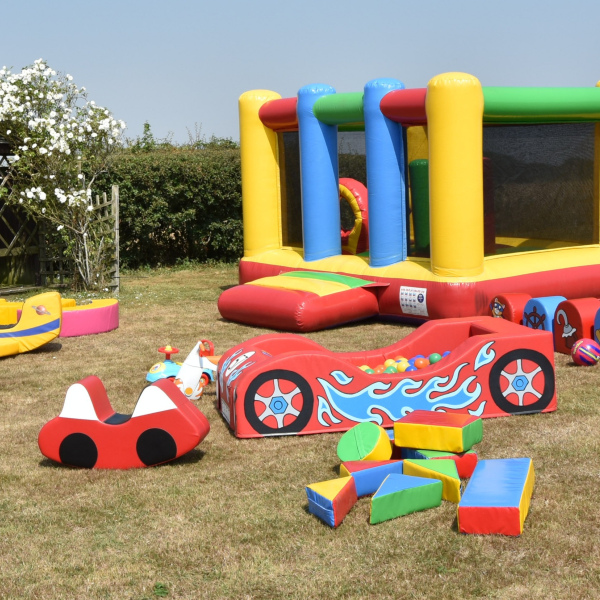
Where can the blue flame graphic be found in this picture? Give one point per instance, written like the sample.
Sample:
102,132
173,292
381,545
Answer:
395,402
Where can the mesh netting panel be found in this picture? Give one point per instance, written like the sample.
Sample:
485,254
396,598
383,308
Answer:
542,181
291,195
352,157
352,163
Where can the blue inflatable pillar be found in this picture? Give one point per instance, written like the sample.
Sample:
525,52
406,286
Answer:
321,222
386,178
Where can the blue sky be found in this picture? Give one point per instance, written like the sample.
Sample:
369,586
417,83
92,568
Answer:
182,64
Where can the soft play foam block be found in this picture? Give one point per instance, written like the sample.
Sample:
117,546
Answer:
331,500
574,320
509,306
365,441
539,312
443,469
369,474
465,461
401,495
497,497
438,431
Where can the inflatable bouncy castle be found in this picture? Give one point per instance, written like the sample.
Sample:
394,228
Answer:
468,191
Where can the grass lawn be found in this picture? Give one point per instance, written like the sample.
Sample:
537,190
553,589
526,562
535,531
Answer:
230,520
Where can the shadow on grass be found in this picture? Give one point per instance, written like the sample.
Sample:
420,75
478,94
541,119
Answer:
50,347
192,457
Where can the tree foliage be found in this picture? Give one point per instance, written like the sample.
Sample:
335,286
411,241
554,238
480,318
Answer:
61,143
178,202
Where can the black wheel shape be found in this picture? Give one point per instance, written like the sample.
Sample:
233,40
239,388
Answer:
498,372
279,404
156,446
78,450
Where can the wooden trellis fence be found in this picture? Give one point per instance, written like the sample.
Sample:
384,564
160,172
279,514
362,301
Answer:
29,258
18,237
55,269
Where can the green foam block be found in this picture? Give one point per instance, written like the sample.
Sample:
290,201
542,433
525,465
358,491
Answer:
401,495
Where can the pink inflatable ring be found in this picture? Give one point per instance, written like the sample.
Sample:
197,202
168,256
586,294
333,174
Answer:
99,316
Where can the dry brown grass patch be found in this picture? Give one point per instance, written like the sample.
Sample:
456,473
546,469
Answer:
229,520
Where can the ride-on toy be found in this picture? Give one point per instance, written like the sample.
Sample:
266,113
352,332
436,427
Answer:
191,376
285,384
89,433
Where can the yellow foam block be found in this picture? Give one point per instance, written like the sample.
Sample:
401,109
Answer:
442,469
331,488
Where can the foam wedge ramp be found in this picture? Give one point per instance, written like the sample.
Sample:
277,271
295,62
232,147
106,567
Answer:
465,461
365,441
444,469
331,500
369,474
436,430
497,497
401,495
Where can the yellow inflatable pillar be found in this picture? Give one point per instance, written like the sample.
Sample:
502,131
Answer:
454,106
261,194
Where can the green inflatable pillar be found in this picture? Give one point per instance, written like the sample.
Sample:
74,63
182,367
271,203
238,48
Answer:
419,188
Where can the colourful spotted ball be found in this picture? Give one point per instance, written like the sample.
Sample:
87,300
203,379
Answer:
585,352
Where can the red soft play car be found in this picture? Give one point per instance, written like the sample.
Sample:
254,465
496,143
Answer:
89,433
286,384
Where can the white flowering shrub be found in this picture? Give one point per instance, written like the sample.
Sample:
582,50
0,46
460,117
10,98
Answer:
61,143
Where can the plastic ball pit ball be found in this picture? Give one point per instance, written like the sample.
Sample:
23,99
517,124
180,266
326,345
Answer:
401,364
585,352
421,363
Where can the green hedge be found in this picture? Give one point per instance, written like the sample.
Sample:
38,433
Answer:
178,204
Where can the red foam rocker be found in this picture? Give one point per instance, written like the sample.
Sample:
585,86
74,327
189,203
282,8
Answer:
89,433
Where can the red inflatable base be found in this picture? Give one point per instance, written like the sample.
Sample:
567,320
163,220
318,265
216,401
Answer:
463,298
294,310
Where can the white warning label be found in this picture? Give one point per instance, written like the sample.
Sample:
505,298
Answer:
413,301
